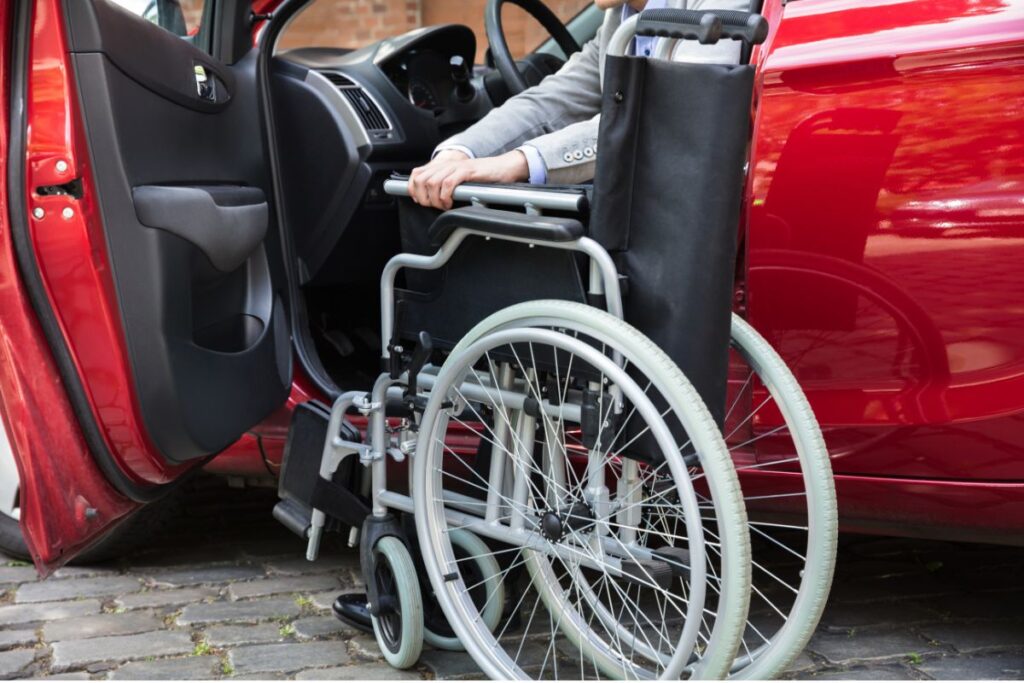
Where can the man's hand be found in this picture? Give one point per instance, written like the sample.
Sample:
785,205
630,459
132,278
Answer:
433,184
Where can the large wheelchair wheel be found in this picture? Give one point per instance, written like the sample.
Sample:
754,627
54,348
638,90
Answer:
786,479
559,402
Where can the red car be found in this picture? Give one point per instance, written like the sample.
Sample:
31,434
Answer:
884,231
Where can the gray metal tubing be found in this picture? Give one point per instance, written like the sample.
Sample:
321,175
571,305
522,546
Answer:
512,399
604,264
506,196
379,443
328,463
623,36
523,538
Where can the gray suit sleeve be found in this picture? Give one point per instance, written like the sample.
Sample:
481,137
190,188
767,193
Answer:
570,96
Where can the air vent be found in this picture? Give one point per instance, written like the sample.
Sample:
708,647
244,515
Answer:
369,112
339,80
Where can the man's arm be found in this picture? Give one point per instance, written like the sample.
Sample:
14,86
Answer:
571,95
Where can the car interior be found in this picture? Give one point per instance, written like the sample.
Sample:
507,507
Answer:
259,176
363,115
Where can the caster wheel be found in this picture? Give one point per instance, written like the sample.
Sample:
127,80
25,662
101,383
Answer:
486,587
398,625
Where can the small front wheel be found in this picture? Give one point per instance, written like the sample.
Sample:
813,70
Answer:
399,621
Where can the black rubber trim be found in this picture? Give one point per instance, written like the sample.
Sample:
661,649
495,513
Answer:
339,502
28,267
302,340
506,224
681,24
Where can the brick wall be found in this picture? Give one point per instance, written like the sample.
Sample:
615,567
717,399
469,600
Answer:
353,23
350,23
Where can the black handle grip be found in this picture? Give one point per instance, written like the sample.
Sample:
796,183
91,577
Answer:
681,24
749,27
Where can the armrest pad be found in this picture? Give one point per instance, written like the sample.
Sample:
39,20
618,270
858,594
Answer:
227,223
506,224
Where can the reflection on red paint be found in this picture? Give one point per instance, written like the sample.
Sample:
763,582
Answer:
886,229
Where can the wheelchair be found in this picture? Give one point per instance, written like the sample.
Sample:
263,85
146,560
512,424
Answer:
546,489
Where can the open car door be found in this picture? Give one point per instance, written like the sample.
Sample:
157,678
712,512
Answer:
145,244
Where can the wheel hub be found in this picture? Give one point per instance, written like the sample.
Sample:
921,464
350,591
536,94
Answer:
551,526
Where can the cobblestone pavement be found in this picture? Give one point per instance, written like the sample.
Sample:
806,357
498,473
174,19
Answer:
225,593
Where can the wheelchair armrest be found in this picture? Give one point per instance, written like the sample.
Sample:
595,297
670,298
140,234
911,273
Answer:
505,224
565,198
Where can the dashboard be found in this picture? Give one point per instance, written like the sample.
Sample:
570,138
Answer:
346,120
424,76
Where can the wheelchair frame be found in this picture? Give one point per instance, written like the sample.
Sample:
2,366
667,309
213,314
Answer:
603,282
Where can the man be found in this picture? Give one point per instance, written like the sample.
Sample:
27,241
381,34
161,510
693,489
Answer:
548,133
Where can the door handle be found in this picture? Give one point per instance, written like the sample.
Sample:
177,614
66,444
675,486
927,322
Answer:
205,84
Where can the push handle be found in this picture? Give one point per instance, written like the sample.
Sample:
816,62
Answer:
749,27
681,24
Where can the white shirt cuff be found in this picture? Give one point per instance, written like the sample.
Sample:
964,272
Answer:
535,162
458,148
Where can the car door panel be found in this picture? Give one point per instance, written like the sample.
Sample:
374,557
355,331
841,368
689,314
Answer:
181,184
150,325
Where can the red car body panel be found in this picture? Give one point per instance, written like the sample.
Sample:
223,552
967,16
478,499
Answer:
65,499
72,255
884,227
886,230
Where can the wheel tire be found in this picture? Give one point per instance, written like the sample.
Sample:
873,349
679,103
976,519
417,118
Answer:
822,506
822,511
494,588
12,543
735,579
400,636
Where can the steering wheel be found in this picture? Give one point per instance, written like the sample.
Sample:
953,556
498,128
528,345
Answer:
503,59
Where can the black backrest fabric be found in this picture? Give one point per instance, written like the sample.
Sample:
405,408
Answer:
667,193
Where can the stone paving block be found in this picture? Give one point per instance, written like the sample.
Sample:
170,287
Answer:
13,661
17,574
868,673
291,584
45,611
178,668
323,601
1006,666
364,646
83,572
870,646
72,654
194,577
317,627
249,611
801,663
72,589
450,665
359,672
79,628
248,634
170,597
291,565
892,589
9,639
286,657
841,617
985,606
977,636
69,676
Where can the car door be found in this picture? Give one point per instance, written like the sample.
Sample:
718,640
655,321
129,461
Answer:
145,241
